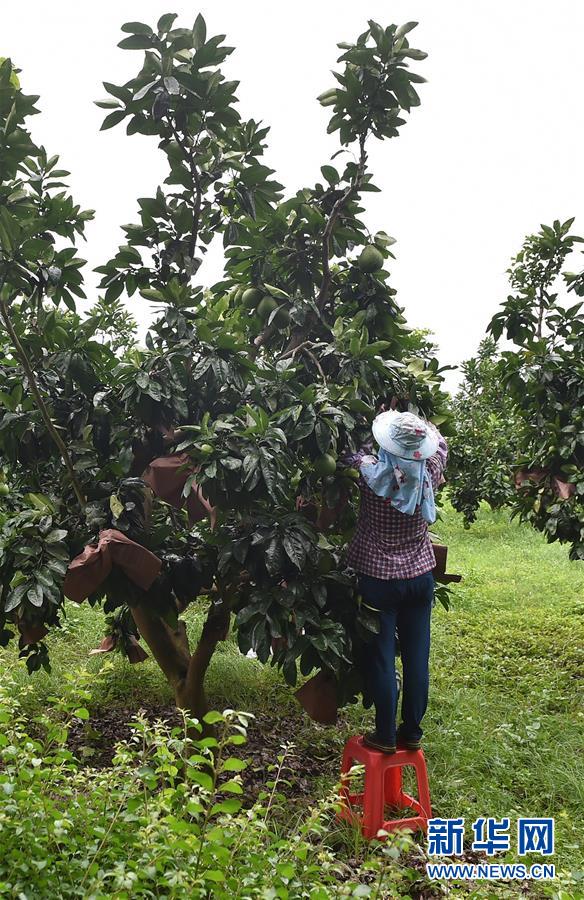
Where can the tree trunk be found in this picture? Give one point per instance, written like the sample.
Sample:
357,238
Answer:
184,671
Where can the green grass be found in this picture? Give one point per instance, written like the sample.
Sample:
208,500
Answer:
503,733
233,680
505,723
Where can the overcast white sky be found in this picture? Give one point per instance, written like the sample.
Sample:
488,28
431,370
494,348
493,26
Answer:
494,150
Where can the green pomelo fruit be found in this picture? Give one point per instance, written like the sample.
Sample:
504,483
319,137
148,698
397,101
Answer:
325,563
251,297
325,465
265,308
370,259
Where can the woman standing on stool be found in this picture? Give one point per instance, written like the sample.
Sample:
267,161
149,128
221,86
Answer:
393,556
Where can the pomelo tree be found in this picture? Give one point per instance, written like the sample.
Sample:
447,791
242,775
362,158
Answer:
544,376
204,464
485,440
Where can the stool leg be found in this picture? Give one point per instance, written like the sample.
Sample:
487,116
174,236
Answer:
423,786
373,802
393,786
346,764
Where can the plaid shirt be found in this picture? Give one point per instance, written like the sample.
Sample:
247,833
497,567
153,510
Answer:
388,543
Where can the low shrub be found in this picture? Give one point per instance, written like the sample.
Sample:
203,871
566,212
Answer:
165,820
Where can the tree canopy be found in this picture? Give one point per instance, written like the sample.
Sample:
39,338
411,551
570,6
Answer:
241,398
544,375
485,443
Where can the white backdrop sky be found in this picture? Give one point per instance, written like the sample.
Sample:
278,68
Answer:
494,150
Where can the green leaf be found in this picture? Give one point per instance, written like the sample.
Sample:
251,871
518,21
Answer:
331,174
116,506
359,406
226,806
323,436
286,870
144,90
276,292
6,400
55,536
35,247
375,348
203,779
234,765
137,42
15,596
328,98
58,551
122,93
136,28
199,32
294,550
232,463
382,239
45,578
113,119
165,22
268,469
153,294
35,595
416,366
232,787
273,556
107,104
414,54
209,54
214,875
404,29
40,502
171,85
9,231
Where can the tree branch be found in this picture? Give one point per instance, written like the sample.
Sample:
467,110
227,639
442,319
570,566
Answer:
543,296
334,215
196,208
311,355
190,692
168,646
299,335
189,157
294,350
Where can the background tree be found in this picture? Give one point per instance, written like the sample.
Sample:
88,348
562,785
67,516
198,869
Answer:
484,444
244,392
545,376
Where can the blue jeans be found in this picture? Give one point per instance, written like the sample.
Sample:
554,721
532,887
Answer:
405,604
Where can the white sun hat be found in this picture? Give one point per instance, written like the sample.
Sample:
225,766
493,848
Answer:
405,435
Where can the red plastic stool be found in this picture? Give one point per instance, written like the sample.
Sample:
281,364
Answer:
383,787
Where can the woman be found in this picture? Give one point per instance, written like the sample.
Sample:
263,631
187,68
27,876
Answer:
392,553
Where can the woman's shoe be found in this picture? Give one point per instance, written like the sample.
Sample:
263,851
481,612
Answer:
408,743
371,740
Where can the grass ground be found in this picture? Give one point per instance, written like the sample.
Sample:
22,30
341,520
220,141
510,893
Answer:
505,722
